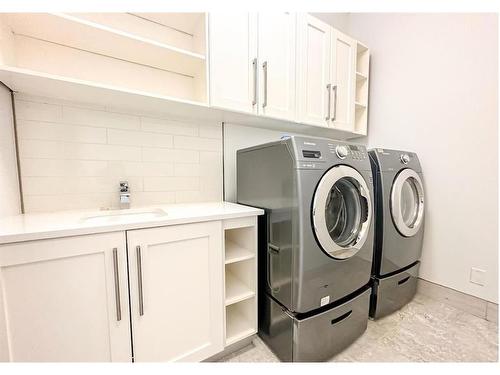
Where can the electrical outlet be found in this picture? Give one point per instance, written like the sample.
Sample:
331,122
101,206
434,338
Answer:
477,276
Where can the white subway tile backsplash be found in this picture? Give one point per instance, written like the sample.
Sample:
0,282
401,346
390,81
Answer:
187,169
167,155
74,155
50,131
91,117
38,111
208,131
171,183
62,167
139,138
168,127
196,143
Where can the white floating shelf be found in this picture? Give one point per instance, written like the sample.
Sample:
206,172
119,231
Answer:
238,327
236,253
93,37
236,290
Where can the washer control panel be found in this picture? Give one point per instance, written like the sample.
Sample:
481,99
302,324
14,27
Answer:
348,151
405,158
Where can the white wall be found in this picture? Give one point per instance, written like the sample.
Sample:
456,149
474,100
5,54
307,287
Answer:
433,90
10,203
73,156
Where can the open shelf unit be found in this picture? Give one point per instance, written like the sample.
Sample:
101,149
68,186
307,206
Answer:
118,49
362,83
240,255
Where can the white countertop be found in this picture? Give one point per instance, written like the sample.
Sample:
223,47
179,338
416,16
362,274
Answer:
29,227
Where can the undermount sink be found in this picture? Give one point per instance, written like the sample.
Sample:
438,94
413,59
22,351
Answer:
117,217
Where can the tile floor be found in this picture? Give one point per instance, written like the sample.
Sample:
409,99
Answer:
425,330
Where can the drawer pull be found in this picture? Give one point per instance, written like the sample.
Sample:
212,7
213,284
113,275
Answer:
341,317
402,281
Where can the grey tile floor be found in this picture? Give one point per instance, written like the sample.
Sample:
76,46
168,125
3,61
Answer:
425,330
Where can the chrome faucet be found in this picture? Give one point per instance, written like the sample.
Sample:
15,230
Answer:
124,195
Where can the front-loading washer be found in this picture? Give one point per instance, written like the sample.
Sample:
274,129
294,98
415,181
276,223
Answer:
315,242
399,228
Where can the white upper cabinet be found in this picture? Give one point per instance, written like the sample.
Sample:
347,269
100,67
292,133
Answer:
65,300
343,73
233,61
276,50
313,71
176,292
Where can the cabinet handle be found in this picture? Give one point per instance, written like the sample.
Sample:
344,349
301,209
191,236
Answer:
334,103
254,66
139,279
117,286
329,93
264,68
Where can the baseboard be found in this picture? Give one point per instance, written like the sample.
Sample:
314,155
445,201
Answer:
231,349
465,302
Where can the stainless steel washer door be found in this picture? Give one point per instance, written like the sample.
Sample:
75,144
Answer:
407,202
341,212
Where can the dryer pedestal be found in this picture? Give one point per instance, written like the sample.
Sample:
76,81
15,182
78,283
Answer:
391,293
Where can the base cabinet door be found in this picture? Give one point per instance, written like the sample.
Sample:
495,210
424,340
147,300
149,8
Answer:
65,300
176,292
344,80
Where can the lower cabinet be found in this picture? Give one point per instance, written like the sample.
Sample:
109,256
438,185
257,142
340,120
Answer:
65,300
176,292
145,295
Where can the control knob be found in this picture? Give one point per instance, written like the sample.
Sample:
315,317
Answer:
341,151
405,158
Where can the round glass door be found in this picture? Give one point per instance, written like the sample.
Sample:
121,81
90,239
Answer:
341,212
407,202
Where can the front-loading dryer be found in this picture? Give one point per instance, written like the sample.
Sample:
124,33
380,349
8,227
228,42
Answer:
315,242
399,228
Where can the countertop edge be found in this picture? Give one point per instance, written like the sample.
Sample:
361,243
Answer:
99,229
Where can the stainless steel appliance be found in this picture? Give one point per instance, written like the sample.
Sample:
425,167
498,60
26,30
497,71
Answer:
315,242
399,228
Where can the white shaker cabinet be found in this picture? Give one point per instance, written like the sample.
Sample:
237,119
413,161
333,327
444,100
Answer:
343,78
313,71
176,292
233,61
65,300
276,51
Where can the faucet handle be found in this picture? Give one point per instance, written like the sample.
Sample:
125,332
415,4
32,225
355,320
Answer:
124,187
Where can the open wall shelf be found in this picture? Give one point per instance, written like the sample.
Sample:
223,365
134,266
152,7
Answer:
99,49
362,85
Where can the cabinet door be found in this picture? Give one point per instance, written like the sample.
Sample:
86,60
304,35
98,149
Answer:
277,41
313,70
344,80
65,300
233,61
176,284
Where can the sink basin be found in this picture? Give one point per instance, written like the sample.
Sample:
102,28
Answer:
123,216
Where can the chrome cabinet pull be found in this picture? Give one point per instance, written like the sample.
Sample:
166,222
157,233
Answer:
334,103
328,90
139,279
264,68
117,286
254,66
